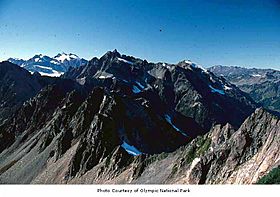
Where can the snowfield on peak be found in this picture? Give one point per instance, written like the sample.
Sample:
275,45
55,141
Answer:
125,61
62,57
47,66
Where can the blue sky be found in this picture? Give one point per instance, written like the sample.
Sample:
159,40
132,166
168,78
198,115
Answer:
227,32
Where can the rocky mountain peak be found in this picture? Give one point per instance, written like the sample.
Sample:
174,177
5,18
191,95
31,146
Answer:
110,55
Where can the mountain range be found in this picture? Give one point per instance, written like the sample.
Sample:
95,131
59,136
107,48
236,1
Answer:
48,66
263,85
121,119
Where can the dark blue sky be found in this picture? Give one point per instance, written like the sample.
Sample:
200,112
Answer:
209,32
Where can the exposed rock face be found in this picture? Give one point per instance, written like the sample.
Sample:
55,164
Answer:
220,157
240,157
263,85
123,120
184,88
16,86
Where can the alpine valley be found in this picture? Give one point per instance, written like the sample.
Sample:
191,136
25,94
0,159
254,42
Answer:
123,120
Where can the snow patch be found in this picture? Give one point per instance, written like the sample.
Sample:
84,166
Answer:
73,56
169,120
139,88
227,87
44,67
188,62
54,62
131,149
50,73
126,61
214,90
105,76
102,104
166,66
195,65
135,89
140,85
63,57
256,75
54,74
200,67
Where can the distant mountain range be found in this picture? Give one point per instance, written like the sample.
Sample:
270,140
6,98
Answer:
121,119
48,66
263,85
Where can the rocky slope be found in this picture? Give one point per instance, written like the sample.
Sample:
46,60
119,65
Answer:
222,156
16,86
263,85
120,119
